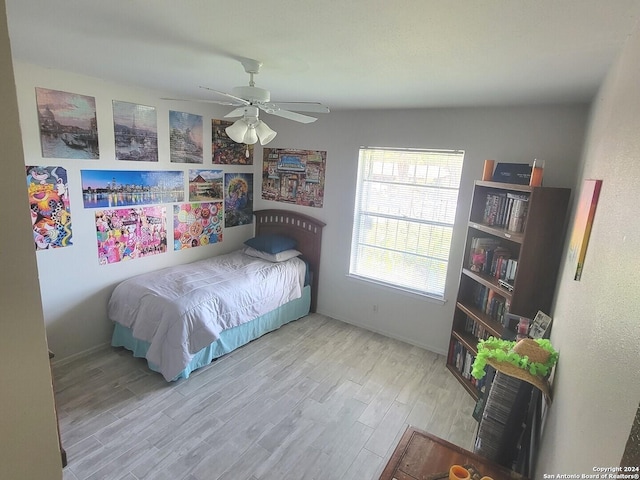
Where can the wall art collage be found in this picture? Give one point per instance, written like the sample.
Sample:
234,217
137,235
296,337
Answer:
130,205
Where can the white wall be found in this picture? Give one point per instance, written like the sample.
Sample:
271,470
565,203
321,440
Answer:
597,320
517,134
28,435
75,289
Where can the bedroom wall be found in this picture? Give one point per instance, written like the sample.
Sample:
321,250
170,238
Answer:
75,289
510,134
596,320
27,416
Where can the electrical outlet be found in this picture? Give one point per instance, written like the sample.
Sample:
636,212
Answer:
375,308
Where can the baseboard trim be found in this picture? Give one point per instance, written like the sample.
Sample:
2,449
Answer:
71,358
386,334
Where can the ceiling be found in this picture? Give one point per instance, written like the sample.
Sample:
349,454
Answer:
344,53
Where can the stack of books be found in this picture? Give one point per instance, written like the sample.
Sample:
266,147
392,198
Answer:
506,210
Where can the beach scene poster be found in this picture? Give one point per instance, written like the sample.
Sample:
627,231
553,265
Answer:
197,224
185,137
49,203
119,188
136,132
68,124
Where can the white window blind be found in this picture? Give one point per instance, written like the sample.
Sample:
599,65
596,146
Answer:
404,213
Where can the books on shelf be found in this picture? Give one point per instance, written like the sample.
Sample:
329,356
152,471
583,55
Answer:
518,213
487,256
462,359
490,303
506,210
481,253
476,329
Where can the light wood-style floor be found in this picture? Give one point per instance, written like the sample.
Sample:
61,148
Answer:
316,399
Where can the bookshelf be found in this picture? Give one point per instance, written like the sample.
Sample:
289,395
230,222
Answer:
510,265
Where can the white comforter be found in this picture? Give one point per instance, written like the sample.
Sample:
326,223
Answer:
180,310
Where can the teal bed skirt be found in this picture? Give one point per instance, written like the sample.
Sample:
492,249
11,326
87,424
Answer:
229,339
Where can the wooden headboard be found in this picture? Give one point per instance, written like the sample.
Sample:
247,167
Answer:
306,230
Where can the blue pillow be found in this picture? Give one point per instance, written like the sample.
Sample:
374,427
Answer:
271,243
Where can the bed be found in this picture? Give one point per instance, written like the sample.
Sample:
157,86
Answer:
181,318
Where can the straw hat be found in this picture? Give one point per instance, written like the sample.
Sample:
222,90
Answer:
527,359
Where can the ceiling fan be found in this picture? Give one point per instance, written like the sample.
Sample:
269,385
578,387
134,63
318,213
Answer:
249,100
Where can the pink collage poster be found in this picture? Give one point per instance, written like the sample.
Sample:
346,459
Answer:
129,233
197,224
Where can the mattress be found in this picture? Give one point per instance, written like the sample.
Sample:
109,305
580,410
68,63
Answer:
228,341
180,310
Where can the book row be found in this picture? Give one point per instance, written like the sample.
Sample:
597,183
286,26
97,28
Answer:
488,256
462,359
476,329
490,303
506,210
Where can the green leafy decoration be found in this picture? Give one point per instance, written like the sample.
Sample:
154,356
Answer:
501,351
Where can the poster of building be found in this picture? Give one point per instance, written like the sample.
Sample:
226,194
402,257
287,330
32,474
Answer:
205,185
68,124
197,224
238,199
185,137
224,150
136,132
130,233
49,203
294,176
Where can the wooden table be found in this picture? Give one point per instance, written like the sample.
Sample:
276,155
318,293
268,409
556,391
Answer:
421,456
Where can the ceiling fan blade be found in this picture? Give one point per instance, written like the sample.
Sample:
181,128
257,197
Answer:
200,100
296,117
314,107
238,112
238,100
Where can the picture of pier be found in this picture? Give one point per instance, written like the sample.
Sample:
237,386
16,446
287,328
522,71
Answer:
136,132
68,124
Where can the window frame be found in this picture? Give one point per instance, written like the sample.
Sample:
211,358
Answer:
434,289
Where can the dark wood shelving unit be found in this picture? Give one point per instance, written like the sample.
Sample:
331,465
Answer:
537,249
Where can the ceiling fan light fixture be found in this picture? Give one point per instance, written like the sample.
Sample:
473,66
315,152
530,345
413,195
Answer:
251,136
265,134
237,131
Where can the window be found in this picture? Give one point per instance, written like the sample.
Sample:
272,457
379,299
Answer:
404,213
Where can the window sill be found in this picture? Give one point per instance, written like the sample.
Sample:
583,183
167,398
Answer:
398,289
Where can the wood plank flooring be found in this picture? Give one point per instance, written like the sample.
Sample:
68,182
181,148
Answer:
316,399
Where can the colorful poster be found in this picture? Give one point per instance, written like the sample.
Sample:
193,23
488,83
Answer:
224,150
136,132
185,137
294,176
205,185
129,233
68,124
120,188
49,202
196,224
238,200
582,225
